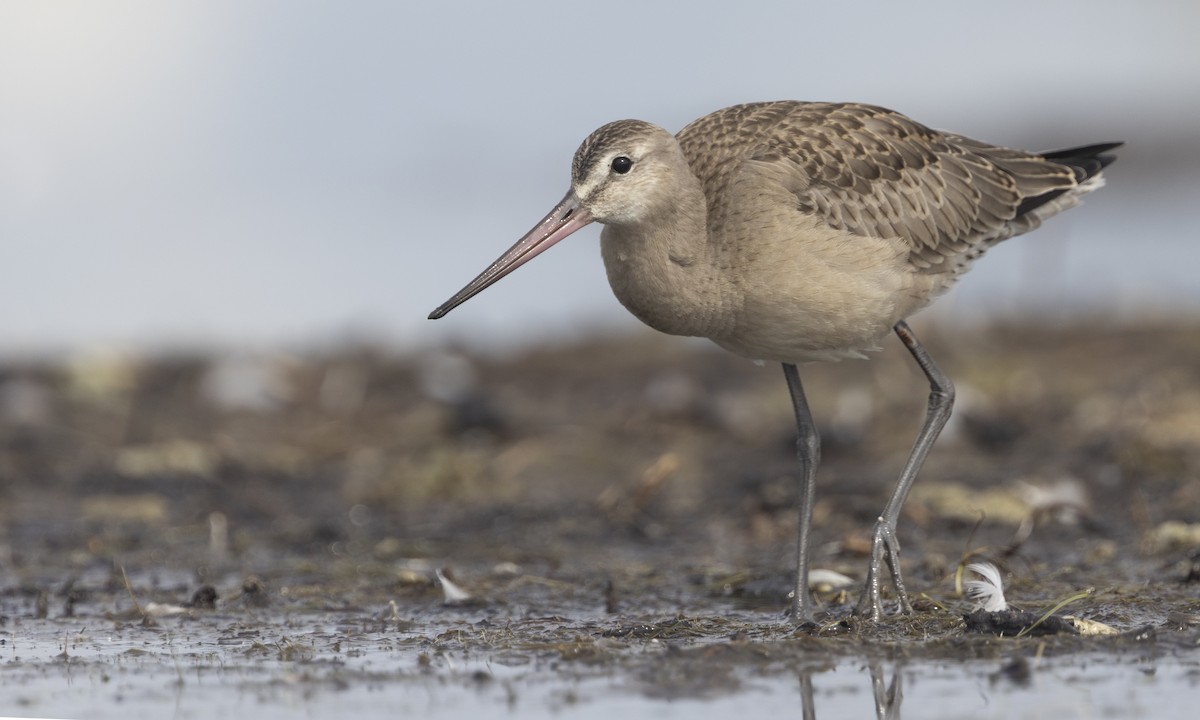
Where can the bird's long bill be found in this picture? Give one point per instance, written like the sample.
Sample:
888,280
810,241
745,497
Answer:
566,217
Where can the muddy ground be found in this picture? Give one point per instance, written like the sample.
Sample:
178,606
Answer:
622,507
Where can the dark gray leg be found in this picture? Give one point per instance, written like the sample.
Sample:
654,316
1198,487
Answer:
884,543
808,450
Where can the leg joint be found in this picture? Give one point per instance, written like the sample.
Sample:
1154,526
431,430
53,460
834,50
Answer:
941,391
808,445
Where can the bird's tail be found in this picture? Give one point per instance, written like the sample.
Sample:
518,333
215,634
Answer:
1086,162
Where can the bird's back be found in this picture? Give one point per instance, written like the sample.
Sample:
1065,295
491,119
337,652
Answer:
874,172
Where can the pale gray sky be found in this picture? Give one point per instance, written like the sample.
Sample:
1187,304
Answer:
266,172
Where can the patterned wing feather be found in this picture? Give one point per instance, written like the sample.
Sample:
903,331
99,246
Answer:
875,172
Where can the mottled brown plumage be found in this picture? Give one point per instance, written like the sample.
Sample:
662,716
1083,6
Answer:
796,231
872,171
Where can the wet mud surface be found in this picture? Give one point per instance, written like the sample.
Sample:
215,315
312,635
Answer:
261,533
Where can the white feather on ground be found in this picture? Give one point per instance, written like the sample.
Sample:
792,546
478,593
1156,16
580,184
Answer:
452,593
988,592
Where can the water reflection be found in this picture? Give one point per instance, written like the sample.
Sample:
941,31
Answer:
887,700
888,695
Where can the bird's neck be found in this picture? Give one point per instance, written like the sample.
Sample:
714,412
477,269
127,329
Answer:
661,269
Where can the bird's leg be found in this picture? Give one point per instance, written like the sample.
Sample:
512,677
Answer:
808,450
883,541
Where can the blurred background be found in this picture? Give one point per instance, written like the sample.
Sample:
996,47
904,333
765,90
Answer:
274,174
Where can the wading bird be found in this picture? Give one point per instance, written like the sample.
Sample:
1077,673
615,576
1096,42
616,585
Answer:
803,231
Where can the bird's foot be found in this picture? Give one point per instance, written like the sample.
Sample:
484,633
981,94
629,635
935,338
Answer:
801,610
884,546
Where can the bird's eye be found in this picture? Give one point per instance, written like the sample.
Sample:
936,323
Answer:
621,164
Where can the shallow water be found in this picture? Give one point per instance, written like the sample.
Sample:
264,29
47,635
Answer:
194,668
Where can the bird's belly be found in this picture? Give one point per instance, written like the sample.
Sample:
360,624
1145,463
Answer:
799,335
824,305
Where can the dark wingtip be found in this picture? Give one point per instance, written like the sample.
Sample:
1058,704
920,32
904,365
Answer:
1084,151
1086,161
1106,160
440,312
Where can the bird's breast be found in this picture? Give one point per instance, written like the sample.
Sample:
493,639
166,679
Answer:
669,286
